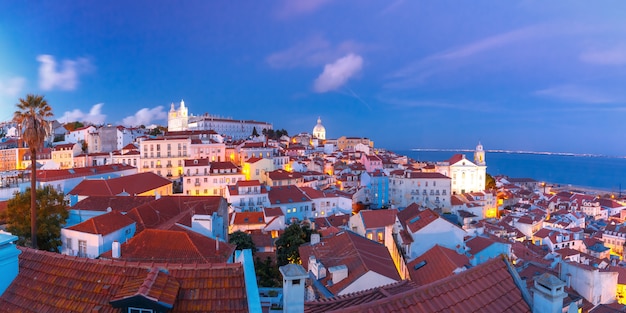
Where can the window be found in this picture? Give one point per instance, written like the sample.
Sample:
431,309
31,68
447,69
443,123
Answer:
82,248
137,310
68,243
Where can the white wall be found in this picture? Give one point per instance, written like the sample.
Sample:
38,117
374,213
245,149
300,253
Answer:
367,281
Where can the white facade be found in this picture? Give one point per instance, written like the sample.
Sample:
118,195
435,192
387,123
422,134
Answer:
247,196
319,131
439,232
367,281
75,243
178,119
164,156
595,285
431,190
208,179
466,176
214,151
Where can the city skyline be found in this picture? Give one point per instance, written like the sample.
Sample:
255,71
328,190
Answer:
521,75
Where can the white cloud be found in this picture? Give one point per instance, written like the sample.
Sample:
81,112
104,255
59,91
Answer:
615,56
145,116
66,77
94,116
313,51
573,93
12,87
338,73
290,8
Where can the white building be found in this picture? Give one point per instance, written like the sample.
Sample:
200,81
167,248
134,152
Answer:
247,195
466,175
427,189
164,156
209,178
178,119
319,131
96,235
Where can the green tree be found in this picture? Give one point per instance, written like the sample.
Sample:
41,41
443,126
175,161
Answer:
490,182
254,132
267,273
242,241
31,116
288,243
51,217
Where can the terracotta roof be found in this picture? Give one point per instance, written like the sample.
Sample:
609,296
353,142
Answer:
116,203
282,175
332,220
435,264
357,253
167,211
286,194
176,245
346,301
478,243
103,224
52,175
71,284
247,183
378,218
197,162
456,158
247,218
253,160
409,212
157,287
489,287
270,212
131,184
421,220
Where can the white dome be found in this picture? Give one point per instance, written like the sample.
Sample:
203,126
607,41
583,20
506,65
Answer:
319,131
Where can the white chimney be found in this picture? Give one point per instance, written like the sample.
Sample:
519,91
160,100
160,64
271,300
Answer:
338,273
315,238
116,253
217,243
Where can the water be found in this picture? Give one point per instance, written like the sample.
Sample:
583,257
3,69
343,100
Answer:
605,173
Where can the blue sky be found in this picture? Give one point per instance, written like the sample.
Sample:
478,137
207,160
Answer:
523,75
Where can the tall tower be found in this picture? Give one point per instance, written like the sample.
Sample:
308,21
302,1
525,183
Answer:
319,131
479,155
178,120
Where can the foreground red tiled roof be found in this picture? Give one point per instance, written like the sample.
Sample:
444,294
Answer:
131,184
435,264
54,283
421,220
339,302
358,253
489,287
177,245
103,224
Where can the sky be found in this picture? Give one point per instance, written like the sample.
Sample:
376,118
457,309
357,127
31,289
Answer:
514,75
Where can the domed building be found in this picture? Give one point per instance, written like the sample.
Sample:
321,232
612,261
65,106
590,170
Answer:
319,132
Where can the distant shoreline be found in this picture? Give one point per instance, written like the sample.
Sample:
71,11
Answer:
590,155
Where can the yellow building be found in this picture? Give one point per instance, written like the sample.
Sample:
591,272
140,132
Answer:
11,159
64,154
348,143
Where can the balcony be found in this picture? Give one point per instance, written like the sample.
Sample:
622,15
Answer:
196,183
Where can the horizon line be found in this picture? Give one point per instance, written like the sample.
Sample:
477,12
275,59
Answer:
518,152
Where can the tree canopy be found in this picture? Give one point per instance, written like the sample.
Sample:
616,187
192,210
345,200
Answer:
242,241
51,217
288,243
490,183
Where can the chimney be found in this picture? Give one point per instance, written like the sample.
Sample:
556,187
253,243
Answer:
315,238
294,277
217,243
8,260
338,273
116,253
548,294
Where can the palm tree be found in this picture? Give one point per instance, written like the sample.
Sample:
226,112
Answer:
31,116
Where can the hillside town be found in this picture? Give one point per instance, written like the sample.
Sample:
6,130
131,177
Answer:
155,218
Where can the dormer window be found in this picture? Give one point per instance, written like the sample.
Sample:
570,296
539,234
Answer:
138,310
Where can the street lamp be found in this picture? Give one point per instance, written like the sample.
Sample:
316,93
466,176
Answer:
543,184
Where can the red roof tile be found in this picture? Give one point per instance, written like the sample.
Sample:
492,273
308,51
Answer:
286,194
358,253
378,218
116,203
421,220
489,287
52,175
103,224
131,184
71,284
177,245
438,263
